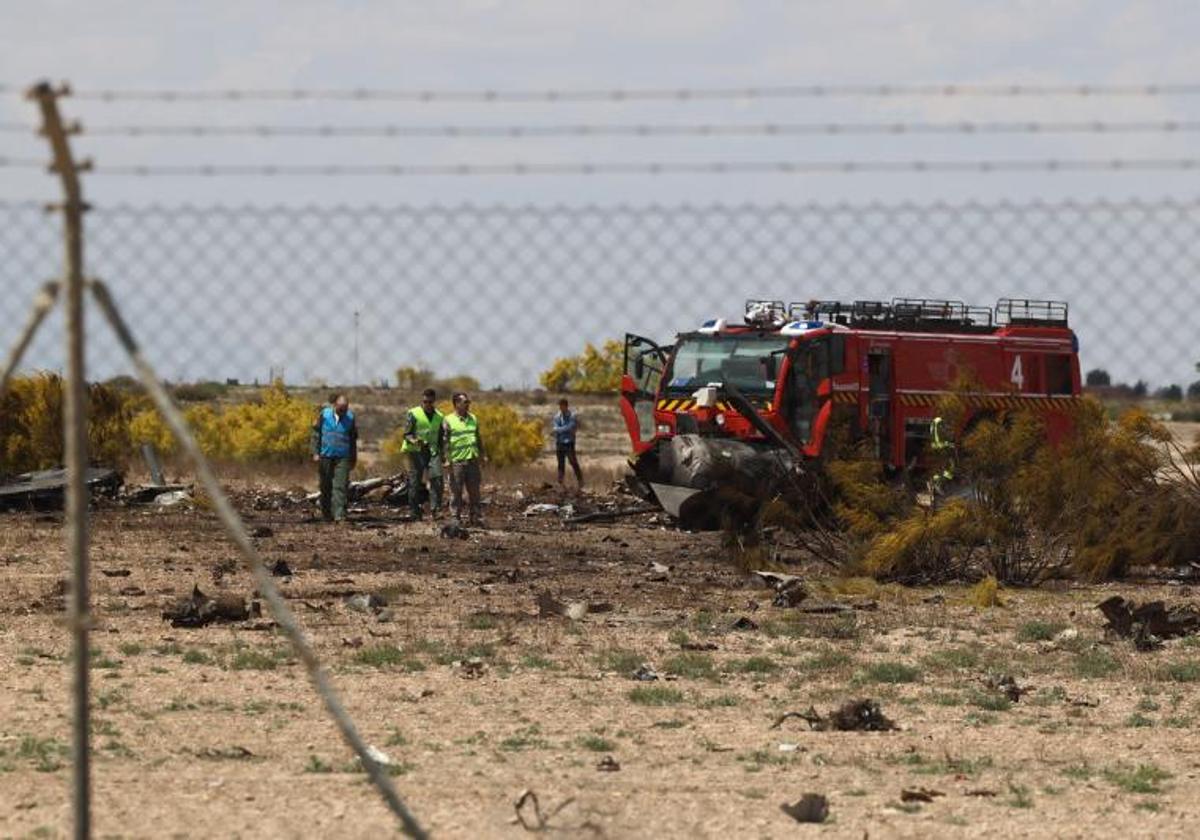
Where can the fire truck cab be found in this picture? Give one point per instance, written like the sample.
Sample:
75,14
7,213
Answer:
882,365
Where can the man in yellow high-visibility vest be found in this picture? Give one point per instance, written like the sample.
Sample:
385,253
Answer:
422,436
462,450
944,452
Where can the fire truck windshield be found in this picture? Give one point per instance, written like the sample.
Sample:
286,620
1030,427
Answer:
748,361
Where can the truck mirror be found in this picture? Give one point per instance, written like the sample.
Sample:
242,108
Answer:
639,367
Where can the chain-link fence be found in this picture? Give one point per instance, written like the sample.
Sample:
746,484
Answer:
348,294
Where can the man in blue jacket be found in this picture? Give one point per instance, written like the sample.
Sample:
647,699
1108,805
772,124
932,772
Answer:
334,444
566,423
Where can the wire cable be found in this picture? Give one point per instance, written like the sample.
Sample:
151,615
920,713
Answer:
682,94
638,129
22,163
651,168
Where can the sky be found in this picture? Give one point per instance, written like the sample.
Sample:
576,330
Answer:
618,44
622,44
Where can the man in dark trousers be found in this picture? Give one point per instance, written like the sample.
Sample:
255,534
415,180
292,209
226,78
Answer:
462,450
566,424
334,444
422,436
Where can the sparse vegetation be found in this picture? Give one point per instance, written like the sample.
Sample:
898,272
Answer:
1039,630
655,695
1144,778
596,743
1095,663
252,659
691,665
891,672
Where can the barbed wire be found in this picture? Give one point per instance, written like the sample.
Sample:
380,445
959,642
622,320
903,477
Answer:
22,163
634,129
652,168
682,94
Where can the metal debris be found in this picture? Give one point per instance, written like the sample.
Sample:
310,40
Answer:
173,498
548,605
394,484
454,531
1006,684
541,508
529,811
659,572
789,589
365,602
645,673
198,610
852,716
472,668
809,808
1150,623
46,489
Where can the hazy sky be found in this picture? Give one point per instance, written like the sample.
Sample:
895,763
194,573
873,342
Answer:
611,44
615,44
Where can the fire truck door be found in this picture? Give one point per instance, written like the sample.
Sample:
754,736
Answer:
879,401
644,365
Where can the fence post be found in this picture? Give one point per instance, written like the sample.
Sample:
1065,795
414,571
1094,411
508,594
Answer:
74,448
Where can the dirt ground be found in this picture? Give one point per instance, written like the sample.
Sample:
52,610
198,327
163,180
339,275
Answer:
216,732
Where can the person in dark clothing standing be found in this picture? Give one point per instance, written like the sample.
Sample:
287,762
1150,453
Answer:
566,424
422,433
334,445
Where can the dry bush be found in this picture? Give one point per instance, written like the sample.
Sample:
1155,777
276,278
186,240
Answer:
1110,497
1122,494
416,379
31,436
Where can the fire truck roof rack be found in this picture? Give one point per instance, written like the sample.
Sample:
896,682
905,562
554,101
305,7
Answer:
820,310
936,313
765,312
1024,312
919,314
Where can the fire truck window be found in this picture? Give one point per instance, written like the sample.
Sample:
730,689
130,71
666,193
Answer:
740,360
837,354
1058,375
802,390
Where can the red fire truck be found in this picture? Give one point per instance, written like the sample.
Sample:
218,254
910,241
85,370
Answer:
884,365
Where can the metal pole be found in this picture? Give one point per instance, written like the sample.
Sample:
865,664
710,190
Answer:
42,305
74,451
266,585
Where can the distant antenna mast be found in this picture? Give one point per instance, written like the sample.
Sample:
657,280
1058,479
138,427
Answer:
355,347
